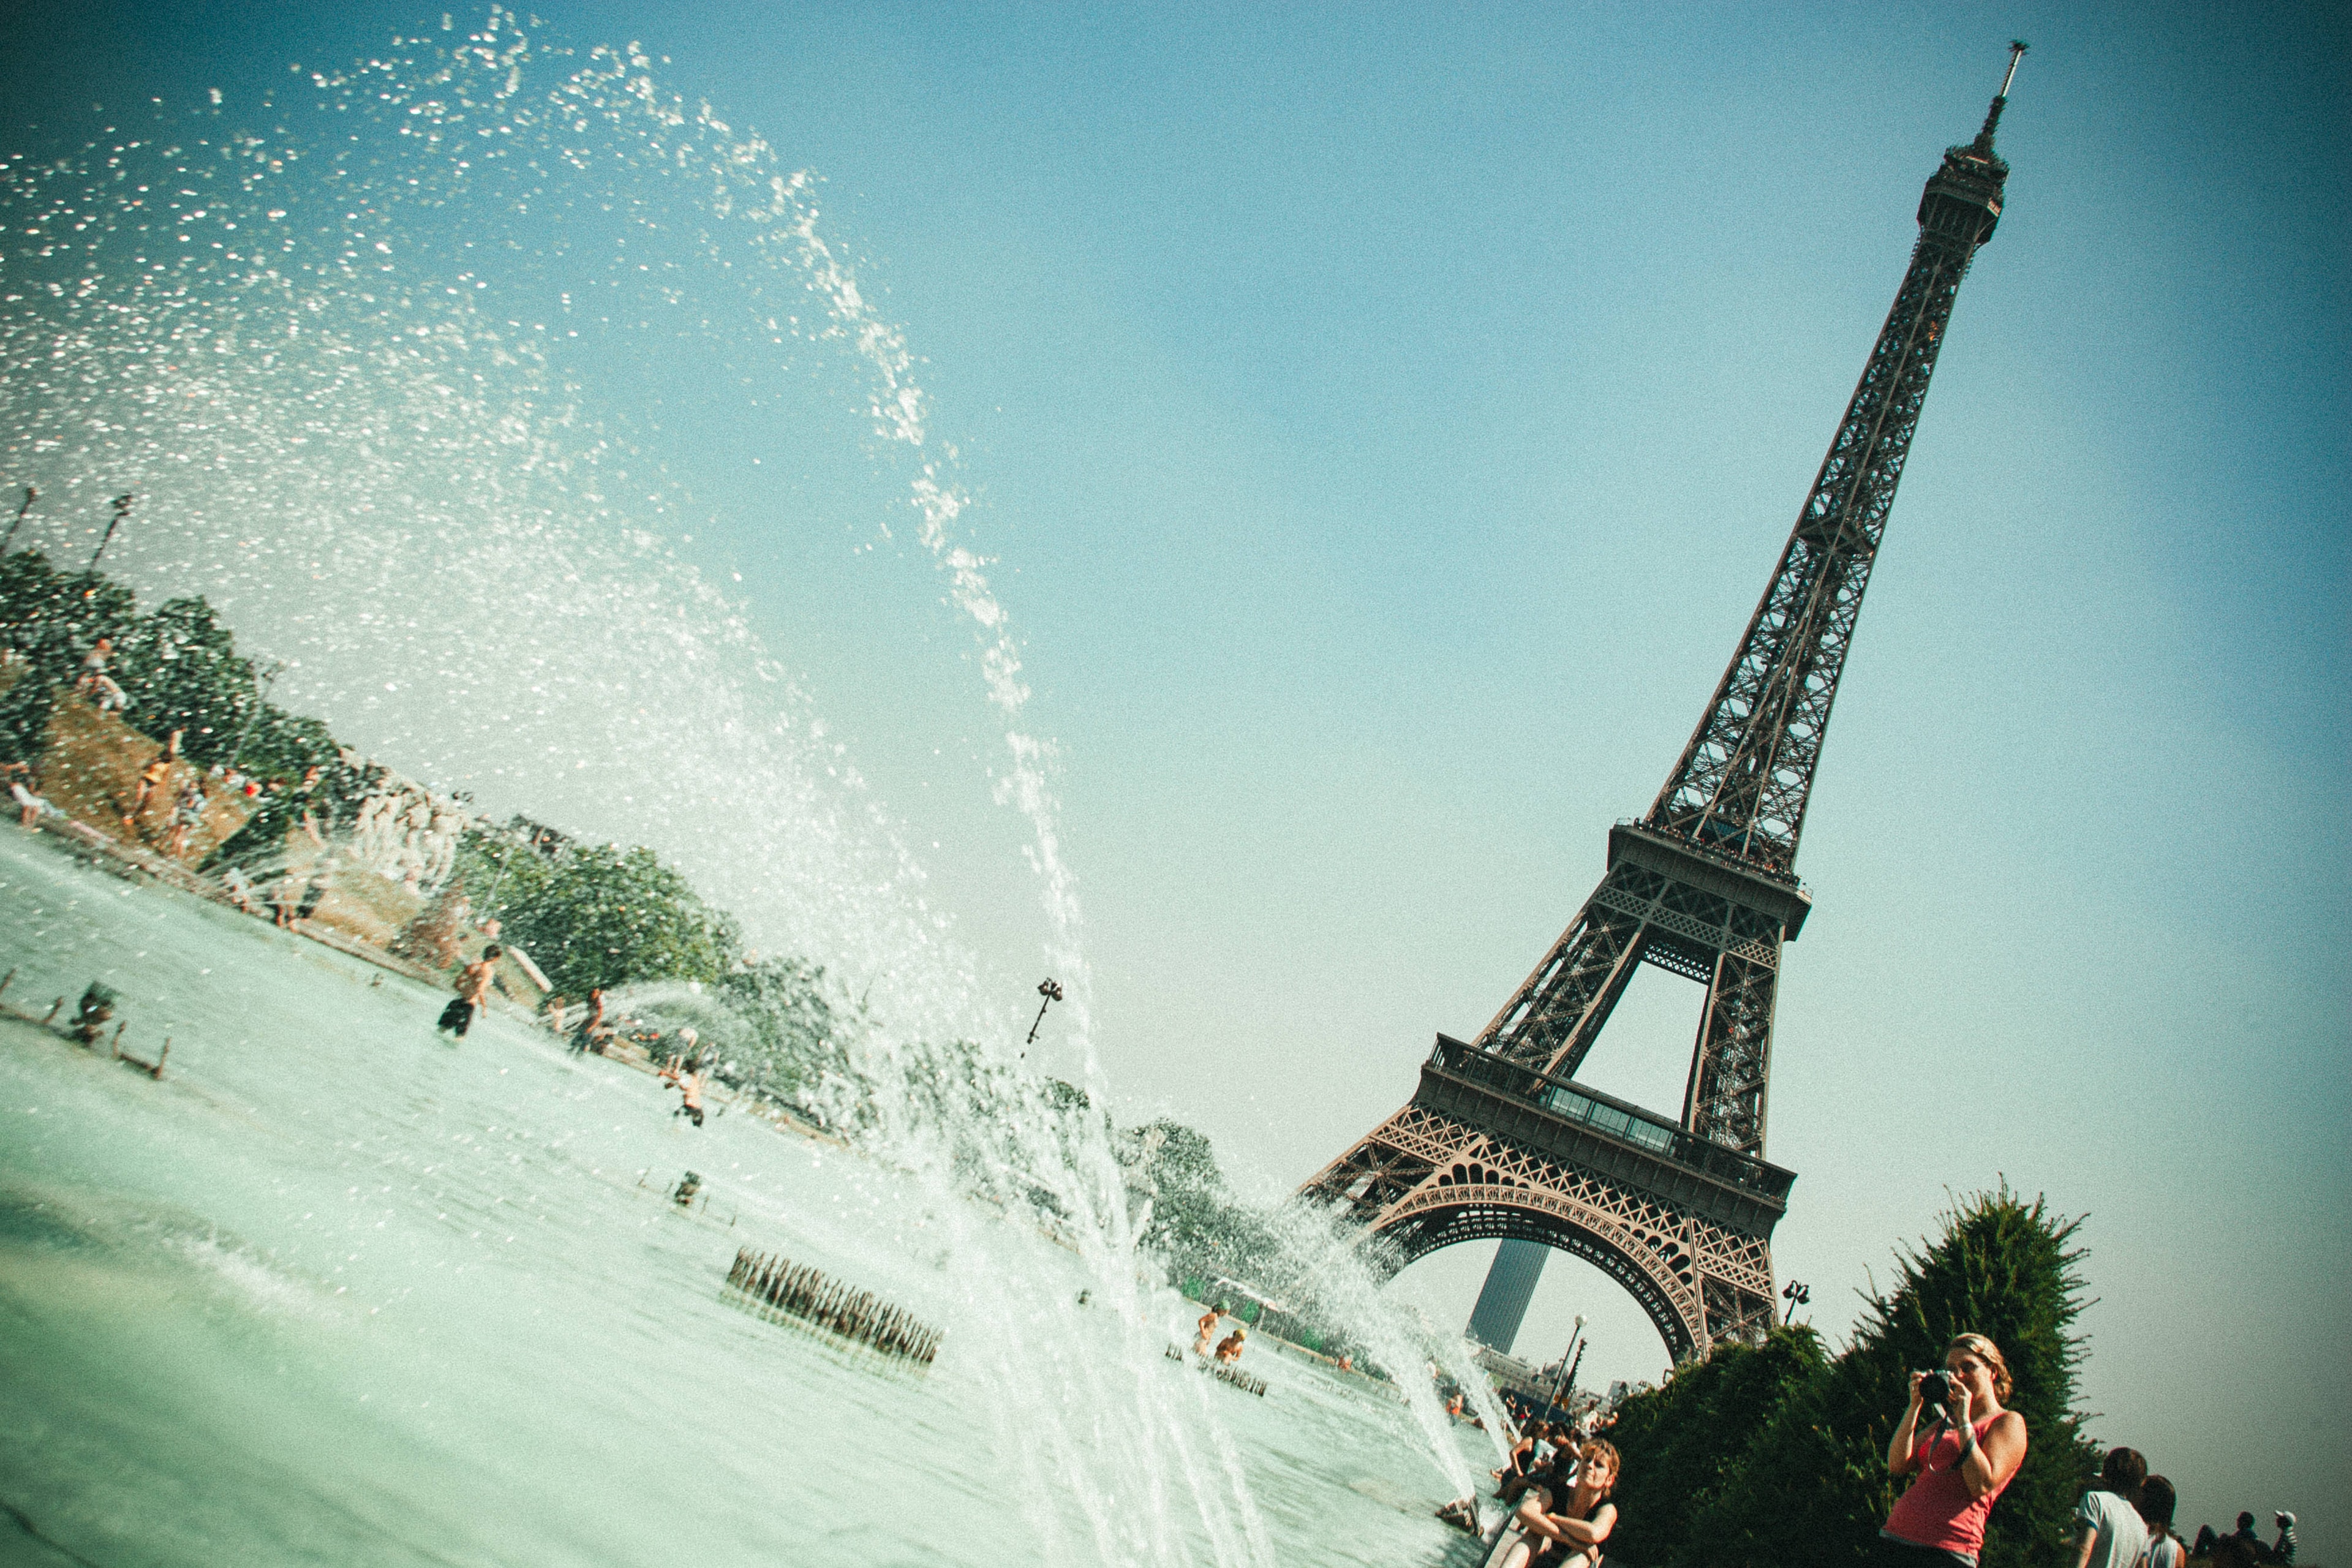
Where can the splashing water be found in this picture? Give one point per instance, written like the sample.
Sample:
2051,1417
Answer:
365,367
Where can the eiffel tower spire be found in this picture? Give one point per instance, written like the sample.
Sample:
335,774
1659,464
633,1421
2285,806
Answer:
1498,1142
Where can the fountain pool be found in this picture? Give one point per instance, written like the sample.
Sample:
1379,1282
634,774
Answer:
339,1291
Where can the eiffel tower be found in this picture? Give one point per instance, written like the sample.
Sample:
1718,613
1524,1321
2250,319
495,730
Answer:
1499,1140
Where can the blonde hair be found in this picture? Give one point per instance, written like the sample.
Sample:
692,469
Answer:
1990,1353
1598,1449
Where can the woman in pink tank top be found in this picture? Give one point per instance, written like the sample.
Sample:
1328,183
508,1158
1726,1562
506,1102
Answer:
1963,1460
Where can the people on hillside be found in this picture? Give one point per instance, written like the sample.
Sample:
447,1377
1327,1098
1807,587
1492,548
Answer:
2156,1502
24,787
285,894
152,778
592,1030
1565,1517
2245,1537
2108,1530
187,815
96,684
239,890
1962,1462
2283,1550
473,993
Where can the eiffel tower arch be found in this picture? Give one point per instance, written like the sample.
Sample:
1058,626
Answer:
1499,1140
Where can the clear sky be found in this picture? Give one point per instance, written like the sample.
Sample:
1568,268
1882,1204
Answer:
1383,418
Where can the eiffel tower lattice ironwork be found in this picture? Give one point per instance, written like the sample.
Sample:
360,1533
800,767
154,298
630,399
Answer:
1499,1141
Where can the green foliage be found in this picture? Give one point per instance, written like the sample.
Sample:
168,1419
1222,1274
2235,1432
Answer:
180,669
788,1031
1683,1443
1813,1487
51,619
1197,1225
599,915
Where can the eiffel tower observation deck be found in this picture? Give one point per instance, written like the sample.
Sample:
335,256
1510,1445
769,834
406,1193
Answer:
1500,1141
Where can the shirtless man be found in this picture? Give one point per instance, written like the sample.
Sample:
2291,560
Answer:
473,992
151,778
1208,1326
592,1031
688,1084
1229,1350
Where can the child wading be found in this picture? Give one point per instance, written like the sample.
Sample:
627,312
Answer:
473,991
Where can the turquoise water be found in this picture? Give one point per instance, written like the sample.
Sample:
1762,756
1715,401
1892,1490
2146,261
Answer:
336,1291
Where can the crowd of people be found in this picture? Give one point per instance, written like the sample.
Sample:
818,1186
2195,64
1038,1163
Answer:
2242,1547
1555,1485
1961,1449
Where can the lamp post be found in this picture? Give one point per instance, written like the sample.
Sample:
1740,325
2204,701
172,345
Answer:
31,494
1567,1381
264,676
1052,992
121,510
1797,1296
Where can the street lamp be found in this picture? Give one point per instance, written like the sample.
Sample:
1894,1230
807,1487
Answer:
1797,1296
1567,1381
31,494
264,676
1052,993
121,510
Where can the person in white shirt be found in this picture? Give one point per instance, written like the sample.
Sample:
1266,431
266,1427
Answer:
2111,1533
2157,1501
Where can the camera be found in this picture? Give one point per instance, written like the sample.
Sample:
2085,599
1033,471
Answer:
1935,1389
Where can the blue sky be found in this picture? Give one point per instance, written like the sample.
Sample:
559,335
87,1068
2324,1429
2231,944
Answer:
1383,419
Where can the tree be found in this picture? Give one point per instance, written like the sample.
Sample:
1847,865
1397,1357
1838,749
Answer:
51,620
788,1032
1813,1487
180,669
600,915
1683,1443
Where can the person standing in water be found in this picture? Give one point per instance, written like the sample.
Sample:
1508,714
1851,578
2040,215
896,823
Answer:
682,1076
473,993
592,1031
1229,1350
1208,1326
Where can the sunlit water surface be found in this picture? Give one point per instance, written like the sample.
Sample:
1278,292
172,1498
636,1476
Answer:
338,1290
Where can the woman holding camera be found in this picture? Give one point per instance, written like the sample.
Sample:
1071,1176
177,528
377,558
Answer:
1963,1454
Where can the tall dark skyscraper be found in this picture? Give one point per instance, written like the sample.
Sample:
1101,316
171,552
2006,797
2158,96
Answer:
1510,1286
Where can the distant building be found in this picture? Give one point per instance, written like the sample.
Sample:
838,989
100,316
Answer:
1510,1286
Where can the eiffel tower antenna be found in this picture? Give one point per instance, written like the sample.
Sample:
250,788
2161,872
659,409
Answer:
1500,1142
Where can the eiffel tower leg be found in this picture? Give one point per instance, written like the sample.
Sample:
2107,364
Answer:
1730,1068
1729,1079
1558,1013
1383,1166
